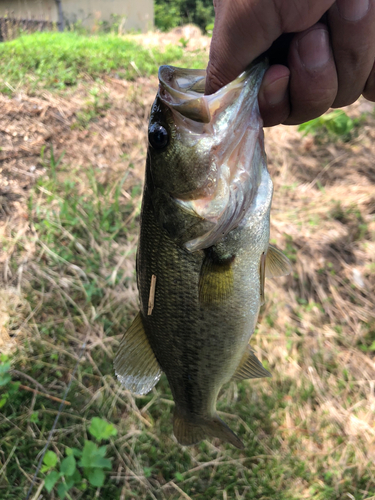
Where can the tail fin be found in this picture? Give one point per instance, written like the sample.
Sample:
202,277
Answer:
190,432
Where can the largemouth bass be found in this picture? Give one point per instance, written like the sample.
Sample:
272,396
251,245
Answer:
204,250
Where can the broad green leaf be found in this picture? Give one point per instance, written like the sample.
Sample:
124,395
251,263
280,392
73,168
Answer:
100,429
77,478
179,476
76,452
147,471
34,417
4,368
93,456
51,480
69,483
3,399
61,490
5,379
96,477
68,466
50,459
13,387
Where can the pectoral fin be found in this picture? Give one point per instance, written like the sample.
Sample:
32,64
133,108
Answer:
250,367
277,264
216,278
135,364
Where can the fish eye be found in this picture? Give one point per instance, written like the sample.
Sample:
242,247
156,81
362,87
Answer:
158,136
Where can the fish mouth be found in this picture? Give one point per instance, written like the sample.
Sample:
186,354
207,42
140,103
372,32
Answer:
229,124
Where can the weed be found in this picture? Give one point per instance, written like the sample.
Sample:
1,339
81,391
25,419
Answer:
351,217
183,42
290,251
52,163
91,462
93,109
336,124
209,29
7,387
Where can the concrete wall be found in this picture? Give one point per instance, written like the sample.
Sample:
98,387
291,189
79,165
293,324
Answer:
29,9
138,14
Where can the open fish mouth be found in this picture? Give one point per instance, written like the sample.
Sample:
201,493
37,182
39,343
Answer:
229,124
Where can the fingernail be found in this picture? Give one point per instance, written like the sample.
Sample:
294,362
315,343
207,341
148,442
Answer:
276,92
353,10
313,49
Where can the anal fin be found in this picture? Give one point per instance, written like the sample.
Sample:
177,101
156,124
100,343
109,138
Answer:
277,264
135,364
250,367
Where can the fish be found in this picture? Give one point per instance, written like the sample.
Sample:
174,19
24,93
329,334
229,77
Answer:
203,252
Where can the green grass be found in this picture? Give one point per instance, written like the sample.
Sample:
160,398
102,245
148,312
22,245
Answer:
58,60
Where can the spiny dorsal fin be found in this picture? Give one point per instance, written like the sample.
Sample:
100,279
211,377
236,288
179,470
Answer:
277,264
135,364
216,278
250,367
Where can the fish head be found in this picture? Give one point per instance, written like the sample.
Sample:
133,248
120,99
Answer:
207,151
178,152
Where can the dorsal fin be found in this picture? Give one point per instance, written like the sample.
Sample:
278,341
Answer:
135,364
250,367
277,264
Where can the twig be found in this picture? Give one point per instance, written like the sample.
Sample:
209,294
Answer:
7,460
26,388
181,492
38,491
27,377
151,297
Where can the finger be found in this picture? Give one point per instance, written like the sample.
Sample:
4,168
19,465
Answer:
313,78
352,27
369,92
244,29
274,96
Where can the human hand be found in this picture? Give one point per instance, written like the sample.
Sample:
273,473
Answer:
330,60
